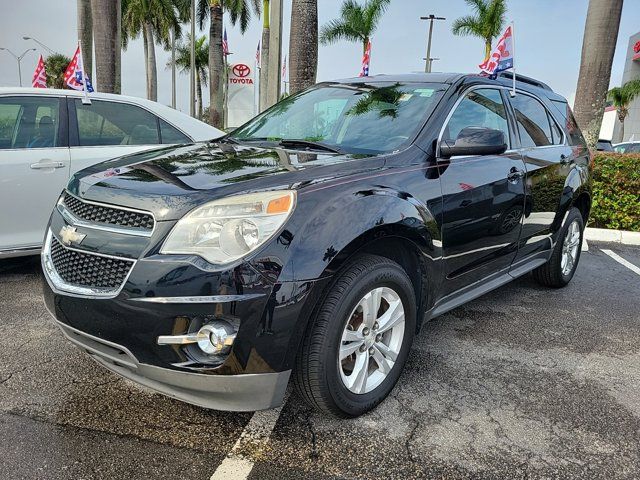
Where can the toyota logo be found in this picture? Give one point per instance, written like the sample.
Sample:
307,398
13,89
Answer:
241,70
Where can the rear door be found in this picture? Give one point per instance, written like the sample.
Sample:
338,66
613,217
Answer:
548,159
34,166
483,196
108,129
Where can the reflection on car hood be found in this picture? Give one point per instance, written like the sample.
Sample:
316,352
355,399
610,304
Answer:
170,180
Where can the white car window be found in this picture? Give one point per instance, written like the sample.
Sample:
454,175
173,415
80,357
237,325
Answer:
112,123
28,122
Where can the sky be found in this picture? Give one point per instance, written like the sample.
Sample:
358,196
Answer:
548,36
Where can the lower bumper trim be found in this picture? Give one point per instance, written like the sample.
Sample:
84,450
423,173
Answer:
237,393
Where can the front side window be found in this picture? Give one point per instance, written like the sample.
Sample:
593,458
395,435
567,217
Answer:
111,123
29,122
533,122
479,108
367,118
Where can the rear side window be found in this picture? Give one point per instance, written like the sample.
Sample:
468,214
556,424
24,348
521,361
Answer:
29,122
172,135
112,123
570,124
479,108
533,122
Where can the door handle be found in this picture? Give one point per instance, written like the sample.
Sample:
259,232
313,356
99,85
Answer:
46,165
515,174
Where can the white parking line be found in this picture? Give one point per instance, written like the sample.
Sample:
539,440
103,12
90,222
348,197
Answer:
622,261
255,434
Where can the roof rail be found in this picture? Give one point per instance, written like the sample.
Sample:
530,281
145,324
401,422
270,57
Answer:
523,79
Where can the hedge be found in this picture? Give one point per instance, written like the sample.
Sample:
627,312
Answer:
616,192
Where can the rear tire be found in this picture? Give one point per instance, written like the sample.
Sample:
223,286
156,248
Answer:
340,368
559,270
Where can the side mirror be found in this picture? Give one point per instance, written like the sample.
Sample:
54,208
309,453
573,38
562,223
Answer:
475,141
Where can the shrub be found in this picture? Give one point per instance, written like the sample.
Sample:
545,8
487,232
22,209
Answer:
616,192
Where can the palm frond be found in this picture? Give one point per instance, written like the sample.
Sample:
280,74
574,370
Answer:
337,30
468,25
373,12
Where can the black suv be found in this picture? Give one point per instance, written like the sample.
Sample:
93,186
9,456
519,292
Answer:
316,239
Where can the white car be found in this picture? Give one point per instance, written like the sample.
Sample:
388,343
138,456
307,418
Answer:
47,135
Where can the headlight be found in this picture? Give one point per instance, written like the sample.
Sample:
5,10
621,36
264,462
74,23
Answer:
224,230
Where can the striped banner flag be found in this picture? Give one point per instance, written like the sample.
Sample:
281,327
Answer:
40,75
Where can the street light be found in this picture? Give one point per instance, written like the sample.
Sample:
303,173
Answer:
49,50
431,18
18,59
431,60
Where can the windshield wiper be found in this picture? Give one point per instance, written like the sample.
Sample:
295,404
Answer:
288,142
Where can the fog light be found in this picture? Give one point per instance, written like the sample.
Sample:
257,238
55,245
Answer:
216,338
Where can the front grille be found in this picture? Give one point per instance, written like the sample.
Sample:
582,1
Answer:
87,270
107,215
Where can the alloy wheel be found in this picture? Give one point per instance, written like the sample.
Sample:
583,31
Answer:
570,248
371,340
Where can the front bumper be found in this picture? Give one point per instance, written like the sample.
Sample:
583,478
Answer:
247,392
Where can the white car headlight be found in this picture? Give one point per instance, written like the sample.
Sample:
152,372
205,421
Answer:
227,229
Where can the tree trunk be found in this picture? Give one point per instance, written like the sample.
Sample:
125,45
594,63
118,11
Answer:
85,34
199,95
152,70
264,56
145,46
216,66
598,48
487,49
118,62
303,46
105,33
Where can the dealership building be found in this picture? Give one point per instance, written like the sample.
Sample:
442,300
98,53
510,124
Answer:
631,72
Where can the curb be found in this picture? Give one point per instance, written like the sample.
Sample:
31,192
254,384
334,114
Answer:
615,236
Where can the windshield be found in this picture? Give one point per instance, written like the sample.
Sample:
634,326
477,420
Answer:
352,118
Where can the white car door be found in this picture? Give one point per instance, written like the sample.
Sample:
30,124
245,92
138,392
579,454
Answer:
108,129
34,168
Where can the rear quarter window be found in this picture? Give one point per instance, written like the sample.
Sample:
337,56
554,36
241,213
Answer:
570,125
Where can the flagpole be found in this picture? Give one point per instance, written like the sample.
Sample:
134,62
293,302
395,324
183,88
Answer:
513,56
85,97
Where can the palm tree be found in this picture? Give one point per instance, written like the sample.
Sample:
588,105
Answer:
85,33
303,45
107,44
264,54
486,23
240,13
183,62
356,23
621,97
598,47
155,20
55,65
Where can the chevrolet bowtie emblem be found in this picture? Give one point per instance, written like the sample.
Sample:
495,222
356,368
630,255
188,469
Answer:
69,235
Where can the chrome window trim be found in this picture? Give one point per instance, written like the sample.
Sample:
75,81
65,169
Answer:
59,286
107,228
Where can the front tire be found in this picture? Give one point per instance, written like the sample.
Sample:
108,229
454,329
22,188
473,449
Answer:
357,344
559,270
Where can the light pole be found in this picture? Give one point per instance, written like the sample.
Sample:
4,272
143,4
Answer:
431,60
18,59
431,18
49,50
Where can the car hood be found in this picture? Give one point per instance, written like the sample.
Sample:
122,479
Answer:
171,181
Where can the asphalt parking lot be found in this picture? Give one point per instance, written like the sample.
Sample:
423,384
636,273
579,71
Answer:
524,382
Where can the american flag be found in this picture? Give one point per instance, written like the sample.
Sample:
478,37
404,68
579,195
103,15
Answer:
225,43
366,61
74,75
40,75
258,59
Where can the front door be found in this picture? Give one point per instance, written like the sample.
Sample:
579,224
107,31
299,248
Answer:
34,167
483,196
